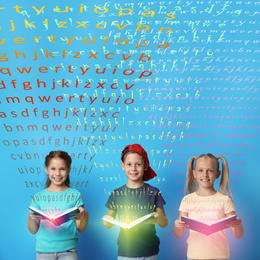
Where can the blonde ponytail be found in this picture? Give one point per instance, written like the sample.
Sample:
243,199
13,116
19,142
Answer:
224,182
190,182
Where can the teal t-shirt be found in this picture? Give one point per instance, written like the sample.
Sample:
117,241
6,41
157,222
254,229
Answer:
51,238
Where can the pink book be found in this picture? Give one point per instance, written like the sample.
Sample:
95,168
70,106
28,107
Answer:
205,228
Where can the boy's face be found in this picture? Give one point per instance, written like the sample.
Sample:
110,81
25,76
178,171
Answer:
134,167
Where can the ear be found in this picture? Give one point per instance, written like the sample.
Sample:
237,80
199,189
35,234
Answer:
46,170
123,166
218,174
194,174
69,170
146,167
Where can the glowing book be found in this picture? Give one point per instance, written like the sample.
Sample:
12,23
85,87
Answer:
130,225
58,218
205,228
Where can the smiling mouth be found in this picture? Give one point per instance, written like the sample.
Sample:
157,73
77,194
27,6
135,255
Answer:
133,173
57,178
205,180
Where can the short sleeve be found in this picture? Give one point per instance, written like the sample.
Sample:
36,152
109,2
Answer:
159,200
34,203
79,202
183,206
228,205
111,204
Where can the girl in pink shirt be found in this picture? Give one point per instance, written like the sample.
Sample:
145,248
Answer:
206,204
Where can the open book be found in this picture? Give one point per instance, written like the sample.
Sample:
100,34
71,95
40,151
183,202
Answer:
58,218
130,225
205,228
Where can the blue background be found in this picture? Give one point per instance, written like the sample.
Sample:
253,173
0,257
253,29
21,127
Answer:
202,97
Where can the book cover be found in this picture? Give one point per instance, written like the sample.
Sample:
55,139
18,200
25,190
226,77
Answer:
130,225
58,218
205,228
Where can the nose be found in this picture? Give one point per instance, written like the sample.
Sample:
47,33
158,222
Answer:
58,172
133,167
205,174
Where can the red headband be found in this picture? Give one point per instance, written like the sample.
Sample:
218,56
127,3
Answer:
149,173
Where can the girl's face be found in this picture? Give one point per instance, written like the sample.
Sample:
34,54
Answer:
134,167
58,172
206,172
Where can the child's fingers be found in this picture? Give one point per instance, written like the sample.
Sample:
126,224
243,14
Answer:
107,224
79,215
177,221
33,216
107,216
234,223
152,221
181,224
155,219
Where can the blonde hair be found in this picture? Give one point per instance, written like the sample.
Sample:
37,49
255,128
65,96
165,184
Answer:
224,182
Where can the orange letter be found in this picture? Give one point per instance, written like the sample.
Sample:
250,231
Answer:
139,25
38,12
106,10
19,40
109,54
149,14
121,13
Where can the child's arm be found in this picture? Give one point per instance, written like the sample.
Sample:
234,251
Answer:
236,226
81,219
159,218
110,214
180,226
33,222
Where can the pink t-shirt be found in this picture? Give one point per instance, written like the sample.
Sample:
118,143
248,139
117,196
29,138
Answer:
208,209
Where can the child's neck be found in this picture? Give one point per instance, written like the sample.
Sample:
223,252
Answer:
134,185
205,192
54,188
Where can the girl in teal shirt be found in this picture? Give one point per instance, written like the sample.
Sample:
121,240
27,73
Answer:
57,242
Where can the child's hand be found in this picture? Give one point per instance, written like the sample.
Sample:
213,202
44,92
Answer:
156,218
181,224
81,215
34,216
236,227
235,223
107,224
179,227
34,222
81,219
